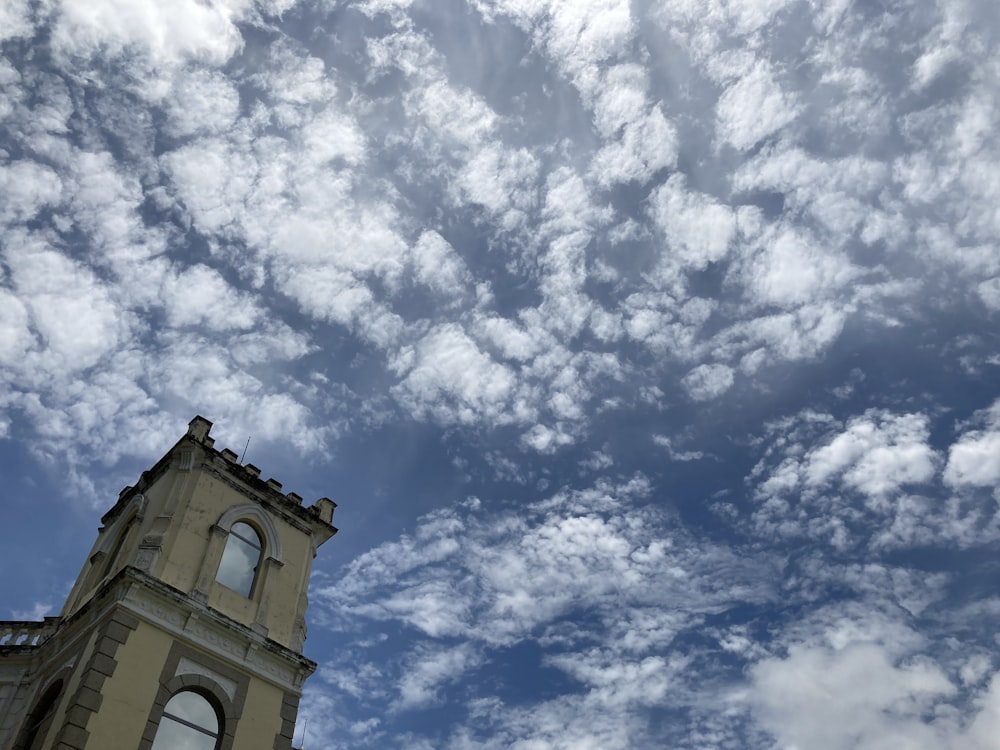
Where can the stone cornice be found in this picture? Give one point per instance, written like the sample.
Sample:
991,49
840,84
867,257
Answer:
192,621
181,616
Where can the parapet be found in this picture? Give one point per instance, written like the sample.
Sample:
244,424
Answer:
320,513
199,429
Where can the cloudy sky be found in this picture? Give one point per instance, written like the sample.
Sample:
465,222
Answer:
650,348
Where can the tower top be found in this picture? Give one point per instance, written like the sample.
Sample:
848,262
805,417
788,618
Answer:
199,427
187,621
319,516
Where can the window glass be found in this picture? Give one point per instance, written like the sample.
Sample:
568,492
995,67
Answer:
40,719
111,563
240,559
188,723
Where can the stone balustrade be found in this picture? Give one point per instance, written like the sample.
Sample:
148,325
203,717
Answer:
25,633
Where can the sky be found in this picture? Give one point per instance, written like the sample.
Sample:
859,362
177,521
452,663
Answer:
649,349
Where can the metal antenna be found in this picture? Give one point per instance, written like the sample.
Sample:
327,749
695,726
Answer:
240,459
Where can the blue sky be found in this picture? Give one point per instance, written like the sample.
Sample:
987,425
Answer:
648,348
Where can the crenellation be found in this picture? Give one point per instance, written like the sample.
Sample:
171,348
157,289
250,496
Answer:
324,508
198,428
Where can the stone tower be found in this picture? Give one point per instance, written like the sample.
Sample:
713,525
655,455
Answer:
185,627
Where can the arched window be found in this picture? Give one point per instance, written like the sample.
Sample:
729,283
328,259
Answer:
111,562
37,725
189,722
241,559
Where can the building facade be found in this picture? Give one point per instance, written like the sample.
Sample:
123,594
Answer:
185,627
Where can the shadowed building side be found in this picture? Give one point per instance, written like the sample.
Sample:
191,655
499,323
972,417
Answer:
185,626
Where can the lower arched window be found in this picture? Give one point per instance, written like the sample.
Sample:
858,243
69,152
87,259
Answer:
241,559
38,723
189,722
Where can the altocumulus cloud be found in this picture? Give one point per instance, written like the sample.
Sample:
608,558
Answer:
596,584
652,345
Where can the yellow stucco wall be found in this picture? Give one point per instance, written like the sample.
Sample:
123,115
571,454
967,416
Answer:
181,509
187,543
130,692
261,719
79,653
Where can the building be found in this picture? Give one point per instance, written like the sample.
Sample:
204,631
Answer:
186,624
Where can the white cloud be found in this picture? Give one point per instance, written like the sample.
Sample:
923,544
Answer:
213,179
446,376
989,293
856,696
647,145
621,100
37,612
201,102
187,30
15,20
791,269
876,454
439,266
480,582
676,455
513,341
294,78
582,549
15,331
614,681
754,107
502,181
706,382
27,188
861,680
570,219
429,669
697,228
199,295
454,114
974,459
802,334
721,16
872,481
75,318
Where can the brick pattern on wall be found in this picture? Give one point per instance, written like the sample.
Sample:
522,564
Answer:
86,701
289,710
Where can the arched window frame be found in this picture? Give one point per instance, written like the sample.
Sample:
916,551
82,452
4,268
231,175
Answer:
228,709
257,518
38,722
271,554
115,545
